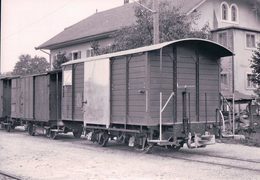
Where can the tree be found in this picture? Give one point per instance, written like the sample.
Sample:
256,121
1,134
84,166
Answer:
255,66
28,65
61,58
173,25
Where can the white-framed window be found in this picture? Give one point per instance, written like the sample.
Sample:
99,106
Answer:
224,11
250,40
76,55
67,77
224,78
90,52
249,83
234,13
222,38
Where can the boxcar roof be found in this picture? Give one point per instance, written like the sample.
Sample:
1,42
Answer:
217,49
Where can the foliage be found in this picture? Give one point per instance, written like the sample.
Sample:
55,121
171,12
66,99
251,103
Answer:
60,59
28,65
255,66
173,25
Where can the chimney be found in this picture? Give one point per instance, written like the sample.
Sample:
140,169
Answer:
126,1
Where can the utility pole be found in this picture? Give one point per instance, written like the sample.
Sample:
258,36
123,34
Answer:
156,31
155,11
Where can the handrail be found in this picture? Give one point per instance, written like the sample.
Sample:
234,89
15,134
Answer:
225,99
161,111
223,120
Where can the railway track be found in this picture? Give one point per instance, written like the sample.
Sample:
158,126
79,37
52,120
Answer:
228,162
7,176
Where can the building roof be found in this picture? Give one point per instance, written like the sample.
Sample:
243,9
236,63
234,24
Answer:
101,24
238,96
212,47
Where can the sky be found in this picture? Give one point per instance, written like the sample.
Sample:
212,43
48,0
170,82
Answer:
26,24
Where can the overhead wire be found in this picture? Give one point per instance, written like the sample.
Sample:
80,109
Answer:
38,20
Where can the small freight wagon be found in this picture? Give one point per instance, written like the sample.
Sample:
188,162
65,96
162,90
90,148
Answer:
36,102
165,94
40,102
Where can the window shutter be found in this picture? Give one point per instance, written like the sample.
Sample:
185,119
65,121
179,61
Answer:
79,55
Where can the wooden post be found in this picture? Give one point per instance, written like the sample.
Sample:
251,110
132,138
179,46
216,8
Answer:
156,33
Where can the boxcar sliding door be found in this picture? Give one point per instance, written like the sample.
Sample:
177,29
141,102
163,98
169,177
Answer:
97,92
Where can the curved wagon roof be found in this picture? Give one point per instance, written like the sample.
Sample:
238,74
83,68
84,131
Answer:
213,47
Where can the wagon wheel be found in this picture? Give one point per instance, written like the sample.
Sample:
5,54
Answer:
174,148
145,147
103,139
31,130
8,128
77,133
13,126
48,133
53,134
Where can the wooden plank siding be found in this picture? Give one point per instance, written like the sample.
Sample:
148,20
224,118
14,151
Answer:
119,90
1,98
161,82
128,85
27,97
205,83
5,96
55,95
78,85
67,99
186,76
136,84
42,97
209,86
16,98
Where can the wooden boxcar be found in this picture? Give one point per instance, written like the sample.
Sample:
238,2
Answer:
165,94
41,101
36,101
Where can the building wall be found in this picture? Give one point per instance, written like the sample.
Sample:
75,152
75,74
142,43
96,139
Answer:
242,60
210,12
236,39
80,47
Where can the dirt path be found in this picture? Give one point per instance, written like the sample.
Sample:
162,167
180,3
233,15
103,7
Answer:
67,158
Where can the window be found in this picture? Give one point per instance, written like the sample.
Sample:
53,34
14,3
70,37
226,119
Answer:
250,41
222,38
224,11
76,55
234,13
224,79
90,52
67,77
250,84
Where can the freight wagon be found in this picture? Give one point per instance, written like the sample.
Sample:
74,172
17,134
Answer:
165,94
33,101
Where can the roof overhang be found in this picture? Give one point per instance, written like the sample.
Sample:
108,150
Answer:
75,41
236,28
214,47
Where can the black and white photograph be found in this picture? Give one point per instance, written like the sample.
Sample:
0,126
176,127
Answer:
130,90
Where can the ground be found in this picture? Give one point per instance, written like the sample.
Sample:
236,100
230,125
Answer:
67,158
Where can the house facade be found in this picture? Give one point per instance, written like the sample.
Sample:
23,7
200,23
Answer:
234,24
